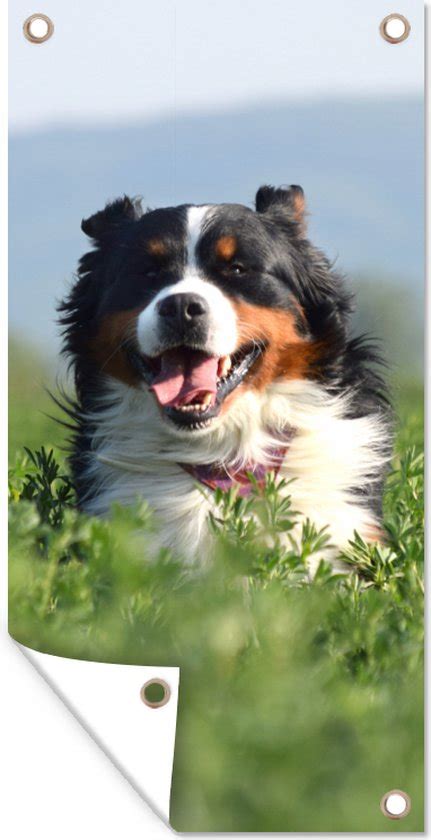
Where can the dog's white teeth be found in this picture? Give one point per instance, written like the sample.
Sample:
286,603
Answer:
206,400
224,366
193,407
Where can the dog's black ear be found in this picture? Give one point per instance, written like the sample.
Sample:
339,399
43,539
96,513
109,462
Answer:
103,224
287,200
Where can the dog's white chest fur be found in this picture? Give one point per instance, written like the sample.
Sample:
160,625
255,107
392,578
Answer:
330,459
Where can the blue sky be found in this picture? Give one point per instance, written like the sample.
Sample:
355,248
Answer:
134,59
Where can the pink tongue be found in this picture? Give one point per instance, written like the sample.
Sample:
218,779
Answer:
185,376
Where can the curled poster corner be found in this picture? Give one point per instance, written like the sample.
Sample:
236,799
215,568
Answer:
106,699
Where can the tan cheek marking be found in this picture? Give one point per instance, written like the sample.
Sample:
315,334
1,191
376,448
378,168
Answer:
288,354
156,247
107,349
226,247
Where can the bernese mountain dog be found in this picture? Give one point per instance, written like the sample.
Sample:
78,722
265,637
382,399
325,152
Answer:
211,344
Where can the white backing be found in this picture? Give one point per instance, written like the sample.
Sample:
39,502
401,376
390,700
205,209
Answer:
105,698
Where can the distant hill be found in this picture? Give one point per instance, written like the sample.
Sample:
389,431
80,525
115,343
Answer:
358,161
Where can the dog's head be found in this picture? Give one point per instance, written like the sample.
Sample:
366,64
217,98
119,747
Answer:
199,303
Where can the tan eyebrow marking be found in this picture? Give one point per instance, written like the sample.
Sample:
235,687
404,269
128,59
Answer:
156,247
226,247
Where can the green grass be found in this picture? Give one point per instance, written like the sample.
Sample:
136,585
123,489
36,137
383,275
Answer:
30,406
300,703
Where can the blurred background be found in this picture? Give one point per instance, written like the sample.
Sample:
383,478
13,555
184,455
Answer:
205,104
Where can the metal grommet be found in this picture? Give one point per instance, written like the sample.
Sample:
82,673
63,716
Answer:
155,693
395,804
395,28
38,28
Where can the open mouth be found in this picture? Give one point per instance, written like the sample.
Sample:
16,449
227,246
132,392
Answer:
190,386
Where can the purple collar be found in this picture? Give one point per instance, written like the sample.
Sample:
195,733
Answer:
218,476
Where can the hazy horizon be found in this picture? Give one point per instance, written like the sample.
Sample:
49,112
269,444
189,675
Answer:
365,217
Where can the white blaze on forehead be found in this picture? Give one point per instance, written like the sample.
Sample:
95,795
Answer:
196,218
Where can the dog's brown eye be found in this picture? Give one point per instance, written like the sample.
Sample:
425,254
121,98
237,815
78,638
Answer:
236,268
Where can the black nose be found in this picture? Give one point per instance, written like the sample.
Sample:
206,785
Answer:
183,309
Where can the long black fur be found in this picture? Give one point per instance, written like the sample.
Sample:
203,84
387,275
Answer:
118,274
